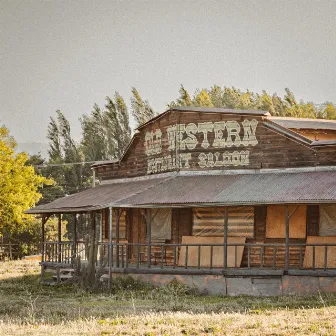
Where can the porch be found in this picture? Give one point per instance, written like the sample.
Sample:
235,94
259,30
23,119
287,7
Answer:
122,241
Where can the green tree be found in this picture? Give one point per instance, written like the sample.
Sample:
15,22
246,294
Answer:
141,110
63,149
94,139
49,191
233,98
19,185
328,111
106,133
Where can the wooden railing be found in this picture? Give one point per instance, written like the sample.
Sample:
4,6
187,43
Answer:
200,258
9,251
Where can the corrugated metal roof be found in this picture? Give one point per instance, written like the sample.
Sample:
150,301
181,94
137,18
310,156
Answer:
96,198
305,123
240,189
306,187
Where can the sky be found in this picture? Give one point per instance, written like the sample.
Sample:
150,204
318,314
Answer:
69,55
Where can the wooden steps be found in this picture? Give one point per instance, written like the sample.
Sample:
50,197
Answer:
63,275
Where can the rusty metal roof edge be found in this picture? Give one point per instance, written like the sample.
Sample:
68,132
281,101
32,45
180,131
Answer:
323,143
222,172
140,178
32,211
176,205
210,204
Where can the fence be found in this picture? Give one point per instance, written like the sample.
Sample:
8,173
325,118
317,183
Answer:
200,257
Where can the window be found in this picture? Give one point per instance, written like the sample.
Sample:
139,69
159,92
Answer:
210,222
276,221
160,223
328,220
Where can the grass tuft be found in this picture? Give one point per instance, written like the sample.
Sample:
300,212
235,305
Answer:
136,308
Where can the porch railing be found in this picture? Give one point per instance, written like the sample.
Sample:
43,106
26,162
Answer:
200,257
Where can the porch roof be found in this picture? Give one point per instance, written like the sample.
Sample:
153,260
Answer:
95,198
177,190
239,189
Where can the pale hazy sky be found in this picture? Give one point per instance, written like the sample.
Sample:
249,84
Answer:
69,54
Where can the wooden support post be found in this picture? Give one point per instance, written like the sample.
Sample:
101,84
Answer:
287,239
93,178
91,269
43,237
110,247
42,247
59,234
117,236
10,248
149,237
74,234
226,221
100,239
58,275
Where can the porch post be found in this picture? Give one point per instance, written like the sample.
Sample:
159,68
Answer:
92,251
149,237
100,239
42,247
287,238
226,220
117,237
110,259
74,234
43,237
59,234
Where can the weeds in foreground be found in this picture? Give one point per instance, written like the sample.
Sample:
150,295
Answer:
136,308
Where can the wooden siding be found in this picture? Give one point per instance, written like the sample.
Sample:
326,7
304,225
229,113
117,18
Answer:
274,149
106,227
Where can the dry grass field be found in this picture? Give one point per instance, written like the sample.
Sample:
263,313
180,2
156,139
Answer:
132,308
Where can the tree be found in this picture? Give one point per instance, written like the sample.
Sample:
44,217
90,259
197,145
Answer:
18,185
49,191
328,111
106,132
118,130
141,110
63,149
94,140
233,98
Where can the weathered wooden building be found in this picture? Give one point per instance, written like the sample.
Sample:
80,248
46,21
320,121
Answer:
229,201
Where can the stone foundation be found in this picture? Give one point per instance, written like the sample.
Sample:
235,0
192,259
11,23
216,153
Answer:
255,286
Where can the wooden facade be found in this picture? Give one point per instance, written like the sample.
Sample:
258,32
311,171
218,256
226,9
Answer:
277,147
277,234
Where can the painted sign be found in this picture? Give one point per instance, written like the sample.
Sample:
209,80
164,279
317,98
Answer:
185,137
